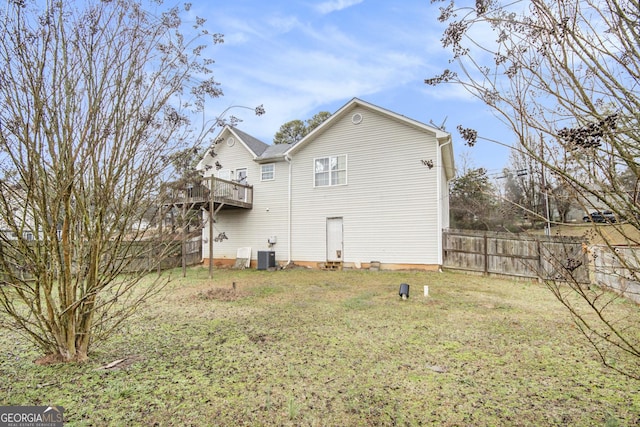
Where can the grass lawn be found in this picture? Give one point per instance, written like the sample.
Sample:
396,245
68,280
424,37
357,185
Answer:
316,348
596,234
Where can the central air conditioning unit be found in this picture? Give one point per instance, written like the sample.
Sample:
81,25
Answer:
266,260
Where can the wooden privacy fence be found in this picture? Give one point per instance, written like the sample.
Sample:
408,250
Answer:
618,271
146,258
520,255
147,255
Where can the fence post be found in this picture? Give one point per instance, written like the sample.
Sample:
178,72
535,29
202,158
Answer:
486,255
502,260
539,245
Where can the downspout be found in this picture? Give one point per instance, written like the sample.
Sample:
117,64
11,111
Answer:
211,214
288,160
440,213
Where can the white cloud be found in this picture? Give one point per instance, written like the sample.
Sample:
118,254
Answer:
283,24
336,5
310,69
296,63
297,84
236,38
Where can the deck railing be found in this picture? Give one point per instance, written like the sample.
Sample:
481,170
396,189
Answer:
225,192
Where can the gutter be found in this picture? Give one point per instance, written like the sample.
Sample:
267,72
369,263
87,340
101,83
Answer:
440,198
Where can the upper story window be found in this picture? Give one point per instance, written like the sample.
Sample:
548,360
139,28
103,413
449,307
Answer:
268,172
330,171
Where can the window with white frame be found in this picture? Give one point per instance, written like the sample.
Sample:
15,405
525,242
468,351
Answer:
330,171
268,172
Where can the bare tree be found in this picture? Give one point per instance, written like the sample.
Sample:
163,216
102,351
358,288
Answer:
473,201
566,74
93,101
563,200
523,185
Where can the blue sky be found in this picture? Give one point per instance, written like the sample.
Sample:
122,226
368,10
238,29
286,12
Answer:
299,57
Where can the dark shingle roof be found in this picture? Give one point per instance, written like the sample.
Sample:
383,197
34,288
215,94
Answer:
275,151
258,147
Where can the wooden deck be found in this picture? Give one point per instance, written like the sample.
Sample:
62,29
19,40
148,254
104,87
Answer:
226,194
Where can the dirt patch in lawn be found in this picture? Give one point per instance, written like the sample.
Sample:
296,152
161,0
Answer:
222,294
298,347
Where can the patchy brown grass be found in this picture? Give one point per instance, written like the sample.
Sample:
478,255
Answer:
321,348
222,294
615,234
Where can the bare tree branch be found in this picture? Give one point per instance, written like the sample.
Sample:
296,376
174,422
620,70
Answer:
566,74
94,101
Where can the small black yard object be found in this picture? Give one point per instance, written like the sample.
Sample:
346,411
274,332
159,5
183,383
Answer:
404,290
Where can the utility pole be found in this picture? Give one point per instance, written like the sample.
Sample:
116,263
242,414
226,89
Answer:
547,212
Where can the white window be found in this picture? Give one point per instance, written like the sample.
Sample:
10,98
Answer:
330,171
225,174
268,172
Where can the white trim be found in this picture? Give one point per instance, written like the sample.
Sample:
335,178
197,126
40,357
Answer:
439,198
273,172
348,107
224,173
236,174
346,170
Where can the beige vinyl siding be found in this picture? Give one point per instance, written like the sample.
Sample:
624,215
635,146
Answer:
389,206
252,227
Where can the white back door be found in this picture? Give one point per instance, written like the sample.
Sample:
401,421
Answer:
241,178
334,239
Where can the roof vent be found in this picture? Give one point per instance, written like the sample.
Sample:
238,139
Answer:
356,118
230,141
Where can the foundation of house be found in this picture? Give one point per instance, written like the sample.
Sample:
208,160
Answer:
330,265
333,266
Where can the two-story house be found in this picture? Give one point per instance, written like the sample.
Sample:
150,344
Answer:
366,185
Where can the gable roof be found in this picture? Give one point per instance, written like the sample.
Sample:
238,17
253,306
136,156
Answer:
254,145
263,152
251,144
444,138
